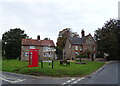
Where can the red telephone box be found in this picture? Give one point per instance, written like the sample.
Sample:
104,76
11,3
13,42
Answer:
33,58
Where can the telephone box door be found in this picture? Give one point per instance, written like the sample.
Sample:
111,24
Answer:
33,58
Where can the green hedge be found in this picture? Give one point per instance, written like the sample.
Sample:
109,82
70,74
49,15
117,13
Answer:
99,55
82,56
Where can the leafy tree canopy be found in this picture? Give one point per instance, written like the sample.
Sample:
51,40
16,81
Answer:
46,38
108,38
61,40
11,43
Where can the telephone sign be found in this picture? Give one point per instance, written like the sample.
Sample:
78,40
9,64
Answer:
33,58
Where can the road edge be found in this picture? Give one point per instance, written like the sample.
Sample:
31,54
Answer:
101,68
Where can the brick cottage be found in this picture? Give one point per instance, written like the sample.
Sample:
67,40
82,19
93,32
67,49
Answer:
46,48
76,45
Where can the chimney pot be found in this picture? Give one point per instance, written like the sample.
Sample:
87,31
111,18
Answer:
38,37
83,33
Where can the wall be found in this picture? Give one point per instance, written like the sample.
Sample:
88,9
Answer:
90,44
68,50
25,49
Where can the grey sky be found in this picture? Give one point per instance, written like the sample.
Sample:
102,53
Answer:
47,17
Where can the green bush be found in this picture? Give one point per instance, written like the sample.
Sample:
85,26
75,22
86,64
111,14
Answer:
78,56
82,56
99,55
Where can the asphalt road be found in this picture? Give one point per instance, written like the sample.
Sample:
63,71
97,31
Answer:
107,75
13,78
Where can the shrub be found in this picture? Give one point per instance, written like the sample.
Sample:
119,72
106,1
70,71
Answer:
99,55
82,56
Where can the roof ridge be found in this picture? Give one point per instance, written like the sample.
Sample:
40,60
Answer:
37,42
29,39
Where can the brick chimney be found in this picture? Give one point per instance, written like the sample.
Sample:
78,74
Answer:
83,33
38,37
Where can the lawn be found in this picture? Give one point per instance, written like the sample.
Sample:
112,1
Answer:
58,70
0,64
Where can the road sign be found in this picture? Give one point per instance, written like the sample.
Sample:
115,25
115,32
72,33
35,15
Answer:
47,61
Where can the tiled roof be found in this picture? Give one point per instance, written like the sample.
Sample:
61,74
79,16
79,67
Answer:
47,43
37,42
75,40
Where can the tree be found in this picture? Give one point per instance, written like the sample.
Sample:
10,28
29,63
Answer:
46,38
108,38
0,49
11,43
61,40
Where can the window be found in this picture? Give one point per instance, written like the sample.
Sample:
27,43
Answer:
80,48
76,53
32,47
93,48
22,47
47,54
76,47
69,46
26,54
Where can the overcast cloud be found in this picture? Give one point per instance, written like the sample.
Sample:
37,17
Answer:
47,17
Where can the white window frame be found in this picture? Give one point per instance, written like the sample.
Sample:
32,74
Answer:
93,48
76,47
81,49
69,46
26,53
47,54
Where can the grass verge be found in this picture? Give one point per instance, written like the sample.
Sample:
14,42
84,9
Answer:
74,70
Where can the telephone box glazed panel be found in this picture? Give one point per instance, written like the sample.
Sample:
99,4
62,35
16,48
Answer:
33,58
